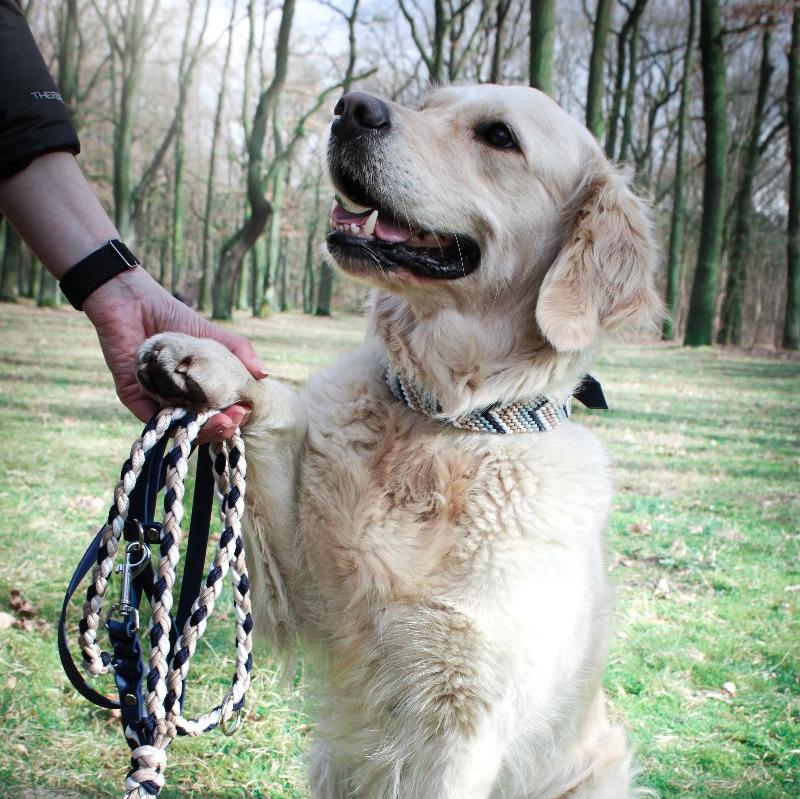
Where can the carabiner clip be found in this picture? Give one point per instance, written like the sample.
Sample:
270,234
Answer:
137,556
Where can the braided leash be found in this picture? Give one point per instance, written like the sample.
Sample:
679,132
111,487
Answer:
169,666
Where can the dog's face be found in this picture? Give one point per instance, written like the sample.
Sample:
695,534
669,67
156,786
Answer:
486,192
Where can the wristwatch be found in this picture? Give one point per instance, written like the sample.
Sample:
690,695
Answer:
95,269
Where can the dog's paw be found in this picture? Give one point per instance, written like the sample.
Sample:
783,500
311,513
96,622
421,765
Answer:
187,372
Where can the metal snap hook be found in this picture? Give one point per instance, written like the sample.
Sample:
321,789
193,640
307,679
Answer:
230,725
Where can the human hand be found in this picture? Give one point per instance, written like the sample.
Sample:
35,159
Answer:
132,307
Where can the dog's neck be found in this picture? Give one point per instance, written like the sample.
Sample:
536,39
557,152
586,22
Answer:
469,361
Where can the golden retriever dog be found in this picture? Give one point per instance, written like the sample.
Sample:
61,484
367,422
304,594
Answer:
447,583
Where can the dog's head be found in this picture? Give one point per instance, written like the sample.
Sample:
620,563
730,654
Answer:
490,196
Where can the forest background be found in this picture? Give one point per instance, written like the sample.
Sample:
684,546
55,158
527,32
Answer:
203,126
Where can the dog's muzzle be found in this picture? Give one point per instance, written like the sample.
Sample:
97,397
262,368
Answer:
368,230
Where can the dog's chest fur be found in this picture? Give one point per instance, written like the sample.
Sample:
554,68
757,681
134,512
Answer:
421,538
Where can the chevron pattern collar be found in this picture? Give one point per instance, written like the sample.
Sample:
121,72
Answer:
537,415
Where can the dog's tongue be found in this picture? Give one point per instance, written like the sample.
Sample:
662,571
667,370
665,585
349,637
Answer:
390,231
384,229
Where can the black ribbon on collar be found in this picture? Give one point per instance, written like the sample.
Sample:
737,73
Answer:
590,394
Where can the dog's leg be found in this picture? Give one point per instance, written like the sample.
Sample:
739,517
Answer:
453,768
201,373
612,770
329,780
444,767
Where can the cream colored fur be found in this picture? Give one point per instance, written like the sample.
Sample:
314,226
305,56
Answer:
450,587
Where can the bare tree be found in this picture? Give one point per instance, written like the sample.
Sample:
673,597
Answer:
502,7
237,246
791,326
597,60
700,323
677,219
202,299
628,33
127,30
325,283
542,44
730,331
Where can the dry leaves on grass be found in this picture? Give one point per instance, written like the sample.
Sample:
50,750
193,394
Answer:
640,528
25,612
87,503
22,607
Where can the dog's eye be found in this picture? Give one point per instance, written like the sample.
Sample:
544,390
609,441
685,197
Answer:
497,134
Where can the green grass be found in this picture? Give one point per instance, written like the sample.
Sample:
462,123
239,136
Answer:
704,543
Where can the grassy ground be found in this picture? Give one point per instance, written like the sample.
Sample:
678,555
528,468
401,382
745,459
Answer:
704,554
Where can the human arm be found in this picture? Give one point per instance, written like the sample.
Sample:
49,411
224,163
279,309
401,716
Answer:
56,212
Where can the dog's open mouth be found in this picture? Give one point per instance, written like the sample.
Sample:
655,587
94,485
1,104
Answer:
367,232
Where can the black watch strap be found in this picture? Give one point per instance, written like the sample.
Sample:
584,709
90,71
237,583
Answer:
94,270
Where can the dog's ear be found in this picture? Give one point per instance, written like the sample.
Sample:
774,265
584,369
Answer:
603,276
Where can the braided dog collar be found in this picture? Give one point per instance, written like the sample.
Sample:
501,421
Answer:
536,415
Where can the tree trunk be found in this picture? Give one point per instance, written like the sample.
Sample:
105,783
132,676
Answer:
248,70
188,60
270,274
630,92
325,282
163,258
202,299
791,325
29,274
730,331
595,89
131,56
700,324
308,270
234,250
267,272
68,56
495,74
178,212
439,33
542,45
623,43
47,290
677,221
283,275
324,290
3,227
11,259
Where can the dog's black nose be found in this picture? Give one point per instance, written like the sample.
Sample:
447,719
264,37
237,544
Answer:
358,113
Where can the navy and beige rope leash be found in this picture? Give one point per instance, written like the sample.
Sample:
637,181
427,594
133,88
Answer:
151,704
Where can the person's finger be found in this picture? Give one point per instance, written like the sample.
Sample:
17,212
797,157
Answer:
243,350
223,425
141,406
237,414
217,428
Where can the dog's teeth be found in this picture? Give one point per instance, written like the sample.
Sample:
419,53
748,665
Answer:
351,206
369,227
353,228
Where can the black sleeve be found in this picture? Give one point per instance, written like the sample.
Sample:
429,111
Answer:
33,117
